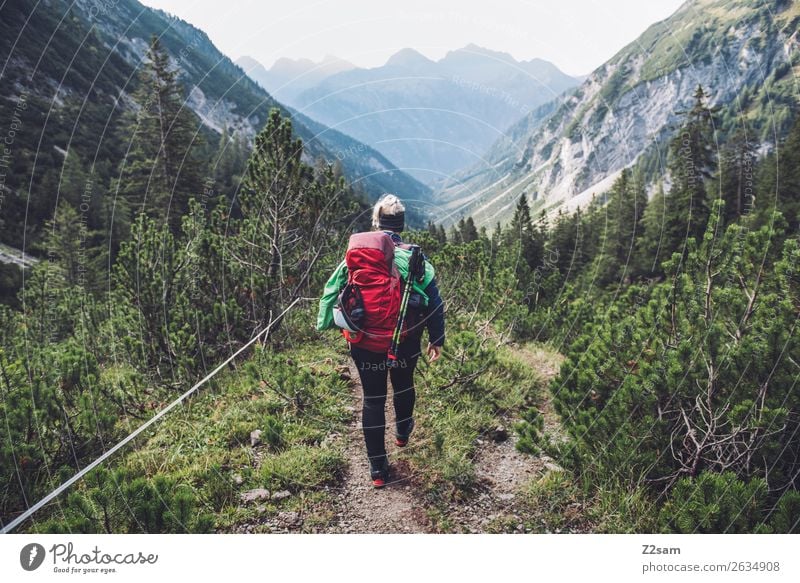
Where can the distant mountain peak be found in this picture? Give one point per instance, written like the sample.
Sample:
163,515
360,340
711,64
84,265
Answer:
472,50
286,65
471,54
332,64
408,57
247,63
338,60
329,65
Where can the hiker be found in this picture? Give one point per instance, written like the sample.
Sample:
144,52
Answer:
381,260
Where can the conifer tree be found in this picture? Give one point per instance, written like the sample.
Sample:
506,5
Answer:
566,243
625,209
691,164
455,235
161,170
468,231
778,181
289,215
531,239
431,227
73,179
461,226
521,221
649,248
64,243
438,234
737,176
230,162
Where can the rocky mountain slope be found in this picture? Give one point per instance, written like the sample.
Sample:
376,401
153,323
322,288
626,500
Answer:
743,52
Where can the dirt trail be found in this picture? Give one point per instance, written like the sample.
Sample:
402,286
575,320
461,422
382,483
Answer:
547,364
364,509
494,505
500,470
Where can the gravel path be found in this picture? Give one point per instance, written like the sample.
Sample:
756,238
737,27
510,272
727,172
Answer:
364,509
500,470
495,505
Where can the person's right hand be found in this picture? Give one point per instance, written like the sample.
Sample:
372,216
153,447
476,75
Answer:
434,352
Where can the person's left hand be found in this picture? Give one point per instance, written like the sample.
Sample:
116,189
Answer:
434,352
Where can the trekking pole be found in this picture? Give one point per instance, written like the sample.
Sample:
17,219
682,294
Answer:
413,268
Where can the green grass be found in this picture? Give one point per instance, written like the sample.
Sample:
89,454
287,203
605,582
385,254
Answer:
295,397
468,392
300,468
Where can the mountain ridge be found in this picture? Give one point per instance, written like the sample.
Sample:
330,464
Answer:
621,115
287,77
432,117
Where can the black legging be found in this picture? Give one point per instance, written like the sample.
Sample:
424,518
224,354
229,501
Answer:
372,369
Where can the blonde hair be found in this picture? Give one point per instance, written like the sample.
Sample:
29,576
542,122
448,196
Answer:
388,204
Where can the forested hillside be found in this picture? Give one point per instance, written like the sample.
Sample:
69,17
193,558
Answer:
72,85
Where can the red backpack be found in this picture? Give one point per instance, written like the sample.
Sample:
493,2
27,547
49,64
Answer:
370,302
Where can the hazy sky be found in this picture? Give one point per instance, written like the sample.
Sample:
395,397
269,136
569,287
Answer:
576,35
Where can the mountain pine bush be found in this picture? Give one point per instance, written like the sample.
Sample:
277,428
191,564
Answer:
699,379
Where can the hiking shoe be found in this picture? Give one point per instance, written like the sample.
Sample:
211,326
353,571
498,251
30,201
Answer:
401,439
379,472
